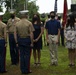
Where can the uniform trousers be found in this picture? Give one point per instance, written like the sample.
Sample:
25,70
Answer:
2,55
53,47
25,53
14,51
62,36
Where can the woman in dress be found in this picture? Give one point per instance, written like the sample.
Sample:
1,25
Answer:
75,30
38,26
70,34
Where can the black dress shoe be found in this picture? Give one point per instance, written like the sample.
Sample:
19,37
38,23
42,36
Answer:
72,65
26,72
3,71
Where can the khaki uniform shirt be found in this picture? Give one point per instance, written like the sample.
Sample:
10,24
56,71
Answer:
23,28
11,24
2,29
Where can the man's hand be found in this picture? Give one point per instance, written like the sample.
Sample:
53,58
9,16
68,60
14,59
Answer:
31,45
57,42
47,41
35,40
5,44
16,44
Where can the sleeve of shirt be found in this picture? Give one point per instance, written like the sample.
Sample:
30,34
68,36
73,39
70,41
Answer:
5,31
8,24
16,27
5,26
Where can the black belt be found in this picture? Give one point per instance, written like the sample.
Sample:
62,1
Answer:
11,33
25,37
52,34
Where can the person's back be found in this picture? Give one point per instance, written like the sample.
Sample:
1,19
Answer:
2,27
3,43
23,27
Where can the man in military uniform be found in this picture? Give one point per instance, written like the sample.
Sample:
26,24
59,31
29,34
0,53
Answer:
24,29
14,53
2,44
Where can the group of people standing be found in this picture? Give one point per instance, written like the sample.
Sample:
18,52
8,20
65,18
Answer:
24,36
55,29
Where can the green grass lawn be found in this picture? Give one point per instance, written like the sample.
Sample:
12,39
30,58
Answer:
45,68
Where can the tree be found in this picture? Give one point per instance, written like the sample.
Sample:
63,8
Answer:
32,8
6,3
1,6
19,5
0,9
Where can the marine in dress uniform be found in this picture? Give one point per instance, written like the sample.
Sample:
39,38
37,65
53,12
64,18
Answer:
14,51
2,44
24,29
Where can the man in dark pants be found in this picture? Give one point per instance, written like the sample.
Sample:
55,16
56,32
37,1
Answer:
3,36
61,31
62,36
14,52
24,29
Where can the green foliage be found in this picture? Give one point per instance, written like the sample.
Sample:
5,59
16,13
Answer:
0,8
32,8
1,5
6,16
19,5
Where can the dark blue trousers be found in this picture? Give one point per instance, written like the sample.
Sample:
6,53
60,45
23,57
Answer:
14,51
62,36
25,53
2,55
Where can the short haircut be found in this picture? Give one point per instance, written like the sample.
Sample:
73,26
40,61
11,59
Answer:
52,12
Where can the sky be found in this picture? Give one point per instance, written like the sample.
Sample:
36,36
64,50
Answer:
45,6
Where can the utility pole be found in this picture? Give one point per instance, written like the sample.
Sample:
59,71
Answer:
25,5
11,5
